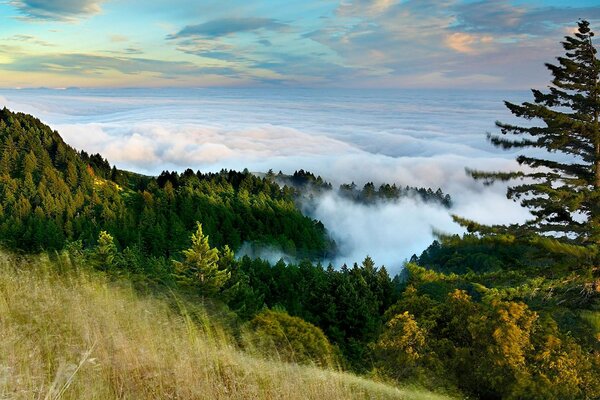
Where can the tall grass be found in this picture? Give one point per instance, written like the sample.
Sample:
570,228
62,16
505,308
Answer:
69,333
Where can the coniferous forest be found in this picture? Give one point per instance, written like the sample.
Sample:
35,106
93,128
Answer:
501,312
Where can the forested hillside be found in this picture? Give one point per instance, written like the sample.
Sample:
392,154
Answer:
500,317
305,185
53,195
128,224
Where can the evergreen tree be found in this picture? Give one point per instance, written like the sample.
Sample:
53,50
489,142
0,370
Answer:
200,268
562,186
104,256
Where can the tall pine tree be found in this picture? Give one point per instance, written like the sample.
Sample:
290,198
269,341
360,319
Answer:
562,190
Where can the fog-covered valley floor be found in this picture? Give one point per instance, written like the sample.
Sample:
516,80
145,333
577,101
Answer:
409,137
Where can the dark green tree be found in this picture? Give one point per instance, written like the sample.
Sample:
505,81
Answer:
561,189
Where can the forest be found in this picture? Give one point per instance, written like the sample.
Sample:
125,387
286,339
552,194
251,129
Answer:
501,312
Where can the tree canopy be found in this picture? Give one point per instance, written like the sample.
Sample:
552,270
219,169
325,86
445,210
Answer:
51,195
561,189
200,267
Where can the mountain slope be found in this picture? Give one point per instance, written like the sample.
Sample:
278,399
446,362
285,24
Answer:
66,332
50,195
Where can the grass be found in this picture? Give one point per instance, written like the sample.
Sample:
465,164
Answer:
67,332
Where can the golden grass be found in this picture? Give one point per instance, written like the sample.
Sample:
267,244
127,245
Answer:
69,333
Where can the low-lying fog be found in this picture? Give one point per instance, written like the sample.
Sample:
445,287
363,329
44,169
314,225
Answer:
418,138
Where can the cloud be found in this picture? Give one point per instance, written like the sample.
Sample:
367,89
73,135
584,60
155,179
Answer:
466,43
89,64
226,26
358,43
57,9
367,7
150,147
257,50
133,50
389,232
128,51
417,138
31,39
438,43
461,42
502,17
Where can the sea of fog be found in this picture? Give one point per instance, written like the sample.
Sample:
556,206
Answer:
409,137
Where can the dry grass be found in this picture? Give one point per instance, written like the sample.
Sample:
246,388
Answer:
74,335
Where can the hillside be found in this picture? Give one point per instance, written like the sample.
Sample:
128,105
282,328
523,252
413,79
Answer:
67,332
52,194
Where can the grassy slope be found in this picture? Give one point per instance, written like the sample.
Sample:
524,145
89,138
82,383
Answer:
74,335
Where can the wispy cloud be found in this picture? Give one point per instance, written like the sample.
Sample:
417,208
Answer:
57,9
258,49
358,43
226,26
125,66
502,17
443,41
469,43
31,40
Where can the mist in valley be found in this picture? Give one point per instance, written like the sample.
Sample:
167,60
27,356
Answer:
344,136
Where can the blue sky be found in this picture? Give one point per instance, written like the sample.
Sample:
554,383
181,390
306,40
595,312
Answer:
310,43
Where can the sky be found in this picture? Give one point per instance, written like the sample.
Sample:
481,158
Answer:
272,43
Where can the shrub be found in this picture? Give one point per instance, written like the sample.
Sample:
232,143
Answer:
290,338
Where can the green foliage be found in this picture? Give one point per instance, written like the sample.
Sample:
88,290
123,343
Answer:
105,252
521,329
557,191
495,253
290,339
592,318
200,267
304,182
489,349
347,304
50,195
400,347
53,196
369,194
542,271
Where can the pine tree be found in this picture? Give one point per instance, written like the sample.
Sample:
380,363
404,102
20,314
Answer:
106,251
200,268
562,190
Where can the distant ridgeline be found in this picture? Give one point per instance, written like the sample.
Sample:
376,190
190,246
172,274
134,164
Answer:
307,183
50,195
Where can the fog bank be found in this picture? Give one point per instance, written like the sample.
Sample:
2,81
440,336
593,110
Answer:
416,138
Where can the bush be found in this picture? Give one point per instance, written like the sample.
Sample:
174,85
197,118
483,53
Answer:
490,349
292,339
